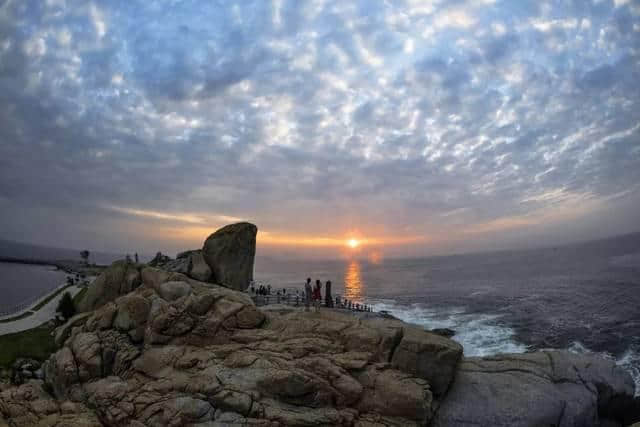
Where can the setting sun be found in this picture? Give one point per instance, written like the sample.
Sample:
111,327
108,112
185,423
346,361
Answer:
353,243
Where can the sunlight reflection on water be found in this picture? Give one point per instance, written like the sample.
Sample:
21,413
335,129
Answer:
353,286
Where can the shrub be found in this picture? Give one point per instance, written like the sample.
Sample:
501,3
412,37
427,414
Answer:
66,307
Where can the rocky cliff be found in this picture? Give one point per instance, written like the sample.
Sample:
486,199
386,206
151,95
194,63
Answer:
173,351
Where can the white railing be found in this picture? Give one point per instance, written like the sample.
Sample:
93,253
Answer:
298,300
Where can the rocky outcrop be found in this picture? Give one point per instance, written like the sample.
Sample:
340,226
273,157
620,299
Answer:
190,263
161,348
177,351
552,388
24,370
119,279
30,405
230,253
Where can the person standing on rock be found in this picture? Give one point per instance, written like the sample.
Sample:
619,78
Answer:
317,295
328,300
307,294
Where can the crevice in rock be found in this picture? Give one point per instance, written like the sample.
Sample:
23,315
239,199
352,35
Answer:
564,407
396,342
551,363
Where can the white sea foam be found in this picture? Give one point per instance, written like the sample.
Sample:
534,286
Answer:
483,335
629,361
479,334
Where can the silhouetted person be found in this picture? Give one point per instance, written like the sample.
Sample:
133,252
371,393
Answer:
328,300
317,295
136,257
307,294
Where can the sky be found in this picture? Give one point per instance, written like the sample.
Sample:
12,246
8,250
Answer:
414,127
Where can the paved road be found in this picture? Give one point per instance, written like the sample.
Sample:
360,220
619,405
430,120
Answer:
46,313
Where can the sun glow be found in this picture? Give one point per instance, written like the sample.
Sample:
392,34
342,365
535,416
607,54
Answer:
353,243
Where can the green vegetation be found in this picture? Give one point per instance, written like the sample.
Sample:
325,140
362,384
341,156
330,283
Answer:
65,306
36,343
78,297
50,297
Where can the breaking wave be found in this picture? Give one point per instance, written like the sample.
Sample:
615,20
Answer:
479,334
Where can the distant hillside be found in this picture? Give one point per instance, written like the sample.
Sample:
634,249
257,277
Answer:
27,251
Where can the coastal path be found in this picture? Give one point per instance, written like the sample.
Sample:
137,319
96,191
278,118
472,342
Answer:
38,317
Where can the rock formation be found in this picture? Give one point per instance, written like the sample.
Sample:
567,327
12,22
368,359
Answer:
119,279
230,253
551,388
160,348
31,405
190,263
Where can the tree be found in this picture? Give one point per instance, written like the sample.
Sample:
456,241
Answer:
85,256
65,306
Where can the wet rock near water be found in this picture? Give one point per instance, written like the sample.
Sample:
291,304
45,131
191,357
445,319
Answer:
445,332
542,388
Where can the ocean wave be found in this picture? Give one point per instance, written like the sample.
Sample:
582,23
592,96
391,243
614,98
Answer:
484,335
629,360
479,334
628,260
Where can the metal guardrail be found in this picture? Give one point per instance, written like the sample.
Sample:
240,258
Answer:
299,301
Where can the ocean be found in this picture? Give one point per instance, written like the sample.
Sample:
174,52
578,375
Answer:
22,284
582,297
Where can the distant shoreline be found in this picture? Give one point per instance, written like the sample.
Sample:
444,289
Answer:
68,266
13,260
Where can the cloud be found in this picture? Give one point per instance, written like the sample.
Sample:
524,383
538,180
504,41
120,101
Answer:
315,118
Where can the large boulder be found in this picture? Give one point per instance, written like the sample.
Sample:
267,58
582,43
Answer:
230,253
429,356
534,389
119,279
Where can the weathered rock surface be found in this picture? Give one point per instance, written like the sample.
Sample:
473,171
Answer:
24,370
161,348
191,263
177,351
119,279
230,253
30,405
553,388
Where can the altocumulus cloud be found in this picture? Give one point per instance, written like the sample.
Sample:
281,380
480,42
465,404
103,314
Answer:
123,121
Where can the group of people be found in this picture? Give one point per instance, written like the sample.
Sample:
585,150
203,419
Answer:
312,294
261,290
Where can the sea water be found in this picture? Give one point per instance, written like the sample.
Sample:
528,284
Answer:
583,297
23,283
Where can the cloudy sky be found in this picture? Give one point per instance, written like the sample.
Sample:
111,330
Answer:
418,127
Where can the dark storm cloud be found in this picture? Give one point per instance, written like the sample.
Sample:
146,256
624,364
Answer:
416,115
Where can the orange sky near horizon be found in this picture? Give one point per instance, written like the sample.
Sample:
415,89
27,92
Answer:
268,238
